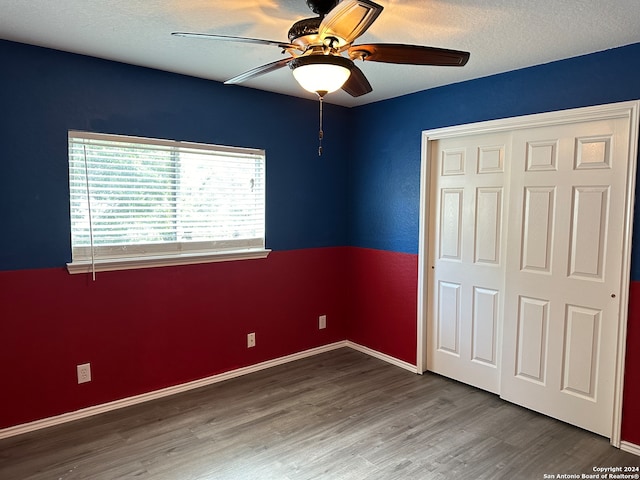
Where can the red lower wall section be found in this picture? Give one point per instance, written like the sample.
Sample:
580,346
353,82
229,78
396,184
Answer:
631,397
383,302
144,330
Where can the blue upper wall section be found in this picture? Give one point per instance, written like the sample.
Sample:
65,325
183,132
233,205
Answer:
44,93
385,169
364,191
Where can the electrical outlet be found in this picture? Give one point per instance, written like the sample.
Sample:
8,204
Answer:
84,373
322,322
251,340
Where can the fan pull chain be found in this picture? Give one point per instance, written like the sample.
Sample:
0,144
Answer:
320,132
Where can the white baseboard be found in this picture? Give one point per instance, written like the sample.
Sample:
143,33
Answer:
165,392
630,447
382,356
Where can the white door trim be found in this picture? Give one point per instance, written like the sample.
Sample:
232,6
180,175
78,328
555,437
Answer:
615,110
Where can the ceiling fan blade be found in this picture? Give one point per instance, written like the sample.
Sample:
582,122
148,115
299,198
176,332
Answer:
409,54
357,84
256,72
228,38
349,19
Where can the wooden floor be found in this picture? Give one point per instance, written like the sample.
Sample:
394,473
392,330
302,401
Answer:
339,415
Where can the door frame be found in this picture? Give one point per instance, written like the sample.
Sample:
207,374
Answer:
628,110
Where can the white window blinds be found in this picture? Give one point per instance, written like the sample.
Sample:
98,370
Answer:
137,197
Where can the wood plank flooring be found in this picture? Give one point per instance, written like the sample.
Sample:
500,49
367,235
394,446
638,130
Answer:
339,415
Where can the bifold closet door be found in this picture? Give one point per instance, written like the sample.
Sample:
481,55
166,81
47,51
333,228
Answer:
527,232
564,270
467,258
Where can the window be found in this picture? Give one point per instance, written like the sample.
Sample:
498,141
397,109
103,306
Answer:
139,202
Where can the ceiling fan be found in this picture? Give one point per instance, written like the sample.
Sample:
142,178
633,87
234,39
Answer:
316,46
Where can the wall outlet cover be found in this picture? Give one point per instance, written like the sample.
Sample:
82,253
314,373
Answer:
84,373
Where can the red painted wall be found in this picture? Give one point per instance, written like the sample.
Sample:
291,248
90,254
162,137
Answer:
384,302
631,397
143,330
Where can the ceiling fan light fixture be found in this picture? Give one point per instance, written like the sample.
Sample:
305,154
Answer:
321,74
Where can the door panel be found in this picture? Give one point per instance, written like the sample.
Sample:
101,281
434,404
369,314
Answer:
564,270
485,325
468,259
588,232
533,320
488,225
537,228
450,240
581,348
449,318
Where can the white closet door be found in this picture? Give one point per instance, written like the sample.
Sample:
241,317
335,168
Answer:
564,270
467,258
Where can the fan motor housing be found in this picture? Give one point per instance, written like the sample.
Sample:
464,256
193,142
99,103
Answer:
305,31
307,27
321,7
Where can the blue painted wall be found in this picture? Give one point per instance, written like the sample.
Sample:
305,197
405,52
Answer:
385,170
362,192
44,93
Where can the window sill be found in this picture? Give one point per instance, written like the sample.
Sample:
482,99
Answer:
132,263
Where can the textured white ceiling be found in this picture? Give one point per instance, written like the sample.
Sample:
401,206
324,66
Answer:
501,35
